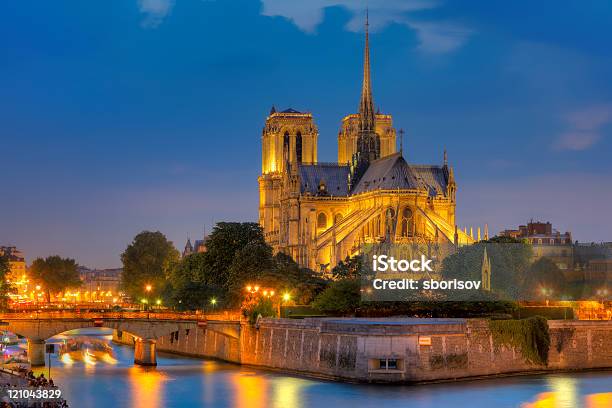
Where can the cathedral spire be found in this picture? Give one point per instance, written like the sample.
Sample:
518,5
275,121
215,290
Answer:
366,104
368,142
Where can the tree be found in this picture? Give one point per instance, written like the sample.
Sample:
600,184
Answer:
5,287
340,298
237,255
262,307
510,260
349,268
223,244
303,284
543,280
55,274
192,285
253,264
148,260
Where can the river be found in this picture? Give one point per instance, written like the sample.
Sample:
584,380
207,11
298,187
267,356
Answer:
186,382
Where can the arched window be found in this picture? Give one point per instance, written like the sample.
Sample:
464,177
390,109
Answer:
338,218
407,222
298,147
321,220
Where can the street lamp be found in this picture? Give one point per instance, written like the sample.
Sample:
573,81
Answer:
148,289
213,302
286,297
546,292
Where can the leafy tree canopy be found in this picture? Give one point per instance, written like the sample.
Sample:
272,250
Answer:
55,274
149,260
341,297
510,263
224,243
544,279
349,268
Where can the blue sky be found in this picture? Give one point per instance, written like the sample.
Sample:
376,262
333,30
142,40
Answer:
146,114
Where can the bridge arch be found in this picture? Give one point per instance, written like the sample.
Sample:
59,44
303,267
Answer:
145,331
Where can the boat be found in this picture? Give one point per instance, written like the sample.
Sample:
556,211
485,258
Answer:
86,349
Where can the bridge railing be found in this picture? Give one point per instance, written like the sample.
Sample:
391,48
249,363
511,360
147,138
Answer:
60,314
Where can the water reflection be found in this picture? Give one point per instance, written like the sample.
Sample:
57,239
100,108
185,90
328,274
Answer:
603,400
250,390
288,392
146,385
566,393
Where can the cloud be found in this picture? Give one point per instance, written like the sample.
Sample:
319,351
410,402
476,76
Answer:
591,118
155,11
576,140
585,126
437,38
434,37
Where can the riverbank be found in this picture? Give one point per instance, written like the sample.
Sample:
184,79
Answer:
387,350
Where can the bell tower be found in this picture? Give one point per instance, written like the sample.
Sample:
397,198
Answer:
289,138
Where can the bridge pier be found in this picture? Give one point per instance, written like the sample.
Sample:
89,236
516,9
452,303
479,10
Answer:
36,352
144,352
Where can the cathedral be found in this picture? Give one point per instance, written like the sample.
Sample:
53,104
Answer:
320,213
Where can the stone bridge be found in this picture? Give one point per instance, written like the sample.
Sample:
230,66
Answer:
145,328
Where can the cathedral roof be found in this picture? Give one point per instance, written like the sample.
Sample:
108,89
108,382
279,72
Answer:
434,177
291,110
334,176
393,172
388,173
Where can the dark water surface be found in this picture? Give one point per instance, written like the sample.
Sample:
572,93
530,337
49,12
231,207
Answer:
186,382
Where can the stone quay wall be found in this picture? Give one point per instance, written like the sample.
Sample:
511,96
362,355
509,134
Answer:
389,350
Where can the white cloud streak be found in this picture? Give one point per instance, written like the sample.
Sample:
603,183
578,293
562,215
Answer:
155,11
585,128
435,37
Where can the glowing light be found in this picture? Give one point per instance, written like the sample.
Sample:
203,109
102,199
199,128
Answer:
158,302
286,297
148,288
107,358
602,400
213,301
66,359
88,358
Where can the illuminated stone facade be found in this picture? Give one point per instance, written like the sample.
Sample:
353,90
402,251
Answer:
16,277
320,213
